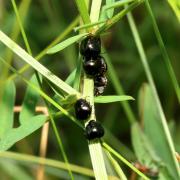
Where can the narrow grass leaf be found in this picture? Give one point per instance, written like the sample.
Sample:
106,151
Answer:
16,134
175,5
30,159
65,43
153,128
112,151
7,107
70,79
161,119
109,12
83,10
111,99
29,102
163,50
118,16
36,65
116,166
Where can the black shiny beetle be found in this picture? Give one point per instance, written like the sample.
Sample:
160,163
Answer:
94,67
93,130
82,109
90,46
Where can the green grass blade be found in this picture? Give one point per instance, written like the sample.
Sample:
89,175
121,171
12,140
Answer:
163,50
118,88
16,134
109,23
175,5
86,26
112,98
77,77
55,41
7,107
29,102
36,65
83,10
66,43
116,166
112,151
21,27
45,161
157,104
110,11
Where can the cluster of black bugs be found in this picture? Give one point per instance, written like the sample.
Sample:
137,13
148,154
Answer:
93,63
95,67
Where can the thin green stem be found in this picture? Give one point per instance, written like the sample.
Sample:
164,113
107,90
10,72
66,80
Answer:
112,151
21,27
163,51
55,41
47,162
154,92
119,89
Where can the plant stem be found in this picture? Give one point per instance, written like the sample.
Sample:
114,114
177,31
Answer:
95,148
163,51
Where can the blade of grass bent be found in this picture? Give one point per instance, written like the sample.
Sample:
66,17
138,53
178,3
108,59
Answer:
55,41
163,51
175,167
36,65
112,151
46,161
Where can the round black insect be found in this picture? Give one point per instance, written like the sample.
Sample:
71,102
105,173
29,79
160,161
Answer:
94,67
82,109
90,46
102,65
94,130
100,81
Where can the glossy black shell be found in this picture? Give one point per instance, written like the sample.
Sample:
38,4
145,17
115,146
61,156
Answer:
100,81
82,109
94,67
90,46
94,130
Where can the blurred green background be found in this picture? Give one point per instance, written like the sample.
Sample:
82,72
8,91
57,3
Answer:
44,21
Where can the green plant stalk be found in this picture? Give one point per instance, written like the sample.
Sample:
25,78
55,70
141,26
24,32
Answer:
55,41
153,88
163,51
47,162
116,166
59,140
95,148
23,9
119,89
21,27
112,151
